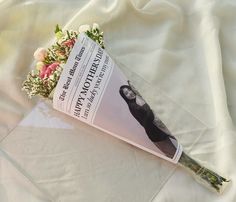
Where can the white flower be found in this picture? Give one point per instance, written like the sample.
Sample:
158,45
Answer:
84,28
40,54
95,26
39,65
52,77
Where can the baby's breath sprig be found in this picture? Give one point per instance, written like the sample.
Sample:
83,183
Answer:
34,85
96,35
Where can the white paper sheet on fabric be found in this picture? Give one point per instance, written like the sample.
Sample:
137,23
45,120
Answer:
184,48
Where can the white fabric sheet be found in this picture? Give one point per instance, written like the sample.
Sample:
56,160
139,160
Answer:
183,49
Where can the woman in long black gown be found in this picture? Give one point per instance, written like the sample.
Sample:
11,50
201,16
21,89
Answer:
154,127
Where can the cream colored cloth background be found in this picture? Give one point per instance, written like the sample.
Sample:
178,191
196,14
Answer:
184,53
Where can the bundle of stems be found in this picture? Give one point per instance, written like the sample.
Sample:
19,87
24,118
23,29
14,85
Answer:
202,174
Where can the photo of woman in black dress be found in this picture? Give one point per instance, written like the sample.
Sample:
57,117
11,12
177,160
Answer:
154,127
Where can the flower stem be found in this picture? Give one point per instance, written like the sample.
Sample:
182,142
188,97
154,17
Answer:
205,176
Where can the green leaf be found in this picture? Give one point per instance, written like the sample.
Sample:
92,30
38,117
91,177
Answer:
57,29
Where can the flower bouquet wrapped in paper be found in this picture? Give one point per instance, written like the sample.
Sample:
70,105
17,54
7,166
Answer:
83,81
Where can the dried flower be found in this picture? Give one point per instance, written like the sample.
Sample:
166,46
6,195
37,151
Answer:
39,65
40,54
84,28
95,26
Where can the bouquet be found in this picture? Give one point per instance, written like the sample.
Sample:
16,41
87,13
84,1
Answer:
83,81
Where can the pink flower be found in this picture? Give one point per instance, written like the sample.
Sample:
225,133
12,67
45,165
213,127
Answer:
53,66
47,70
69,42
42,72
60,53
